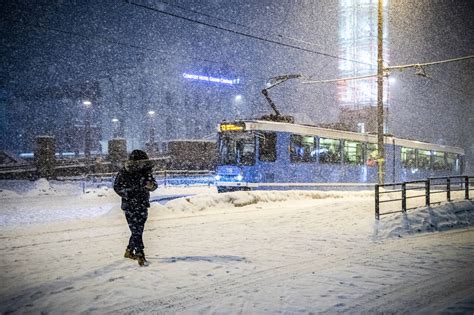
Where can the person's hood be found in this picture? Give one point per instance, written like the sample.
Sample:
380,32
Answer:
138,166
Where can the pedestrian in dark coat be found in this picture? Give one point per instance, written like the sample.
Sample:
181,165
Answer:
133,183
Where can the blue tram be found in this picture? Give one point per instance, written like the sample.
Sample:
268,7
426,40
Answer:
259,154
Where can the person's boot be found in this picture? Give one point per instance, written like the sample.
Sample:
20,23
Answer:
129,254
141,259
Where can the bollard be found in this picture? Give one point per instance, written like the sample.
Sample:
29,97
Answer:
466,187
448,189
404,197
427,191
377,205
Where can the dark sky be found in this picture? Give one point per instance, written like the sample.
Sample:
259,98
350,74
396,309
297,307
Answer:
57,43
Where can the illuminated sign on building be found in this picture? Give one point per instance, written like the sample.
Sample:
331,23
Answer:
210,79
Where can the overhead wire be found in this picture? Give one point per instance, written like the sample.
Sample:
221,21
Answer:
238,24
416,65
242,33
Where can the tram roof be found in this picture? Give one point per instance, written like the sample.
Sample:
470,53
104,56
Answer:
341,134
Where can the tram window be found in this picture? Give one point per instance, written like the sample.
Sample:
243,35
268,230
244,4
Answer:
438,160
423,159
329,150
353,152
237,149
452,162
267,147
408,157
303,148
371,154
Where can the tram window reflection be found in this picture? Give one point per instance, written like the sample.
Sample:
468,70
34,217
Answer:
329,151
303,149
423,159
237,149
372,154
353,152
267,147
408,158
439,162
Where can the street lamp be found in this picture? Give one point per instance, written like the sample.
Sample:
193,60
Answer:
115,123
151,114
87,128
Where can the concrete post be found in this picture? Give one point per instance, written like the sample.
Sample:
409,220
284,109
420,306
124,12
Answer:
45,160
117,152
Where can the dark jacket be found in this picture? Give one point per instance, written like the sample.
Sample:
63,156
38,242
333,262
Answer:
130,184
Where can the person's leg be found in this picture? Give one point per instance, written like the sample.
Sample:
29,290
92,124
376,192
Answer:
129,251
141,217
131,218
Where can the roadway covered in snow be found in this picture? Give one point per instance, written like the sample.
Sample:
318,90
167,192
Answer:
250,252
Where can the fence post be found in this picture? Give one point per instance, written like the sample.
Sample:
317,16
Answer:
404,197
466,187
448,189
427,191
164,182
377,209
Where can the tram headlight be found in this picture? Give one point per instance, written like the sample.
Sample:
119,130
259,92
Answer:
217,177
239,177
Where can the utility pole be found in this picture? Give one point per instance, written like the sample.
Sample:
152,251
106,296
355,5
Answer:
380,69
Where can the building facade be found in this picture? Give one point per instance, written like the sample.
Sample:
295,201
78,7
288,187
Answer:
358,41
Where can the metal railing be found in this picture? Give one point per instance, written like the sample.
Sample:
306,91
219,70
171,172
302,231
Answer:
431,188
184,177
164,178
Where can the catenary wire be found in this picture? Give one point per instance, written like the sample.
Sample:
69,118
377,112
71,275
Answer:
242,33
236,23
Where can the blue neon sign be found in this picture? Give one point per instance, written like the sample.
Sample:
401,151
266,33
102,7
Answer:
210,79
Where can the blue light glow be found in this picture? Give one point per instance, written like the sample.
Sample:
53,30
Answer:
210,79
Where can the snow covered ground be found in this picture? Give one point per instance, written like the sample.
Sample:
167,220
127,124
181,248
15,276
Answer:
243,252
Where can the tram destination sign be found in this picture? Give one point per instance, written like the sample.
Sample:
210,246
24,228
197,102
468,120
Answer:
224,127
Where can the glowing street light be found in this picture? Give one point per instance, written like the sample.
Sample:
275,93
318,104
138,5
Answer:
238,98
115,122
87,128
151,114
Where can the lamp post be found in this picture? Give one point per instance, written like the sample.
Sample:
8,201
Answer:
87,128
115,123
380,68
151,114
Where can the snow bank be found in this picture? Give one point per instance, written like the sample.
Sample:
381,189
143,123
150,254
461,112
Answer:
443,217
25,202
42,201
246,198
